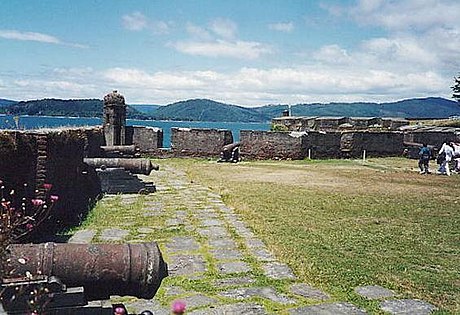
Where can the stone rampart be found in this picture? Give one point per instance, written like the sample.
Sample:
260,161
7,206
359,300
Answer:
434,136
147,139
315,144
199,142
273,144
323,145
375,143
53,156
323,123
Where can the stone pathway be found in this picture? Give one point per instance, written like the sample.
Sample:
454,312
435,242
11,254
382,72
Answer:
210,246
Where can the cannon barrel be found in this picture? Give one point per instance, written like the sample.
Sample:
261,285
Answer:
120,151
102,269
136,166
231,146
416,144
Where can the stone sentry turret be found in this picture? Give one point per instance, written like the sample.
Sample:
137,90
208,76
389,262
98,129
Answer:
114,119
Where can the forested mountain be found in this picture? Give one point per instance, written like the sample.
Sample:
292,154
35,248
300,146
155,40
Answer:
5,102
208,110
145,108
432,107
70,108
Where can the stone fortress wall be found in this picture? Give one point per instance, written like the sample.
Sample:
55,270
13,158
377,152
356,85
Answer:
56,155
52,156
36,157
314,137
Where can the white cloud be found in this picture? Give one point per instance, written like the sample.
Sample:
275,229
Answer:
29,36
219,40
282,27
160,27
135,21
417,37
254,86
408,15
224,28
49,88
222,48
332,54
198,32
248,86
36,37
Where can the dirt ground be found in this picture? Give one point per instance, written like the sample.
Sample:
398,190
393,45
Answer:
354,177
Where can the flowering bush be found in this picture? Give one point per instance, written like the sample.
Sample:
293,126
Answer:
18,218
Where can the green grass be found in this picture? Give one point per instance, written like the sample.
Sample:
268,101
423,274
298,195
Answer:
343,223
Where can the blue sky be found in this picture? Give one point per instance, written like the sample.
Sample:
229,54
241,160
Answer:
243,52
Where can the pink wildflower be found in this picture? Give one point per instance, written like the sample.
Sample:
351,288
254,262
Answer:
178,307
37,202
47,186
29,226
54,198
6,204
120,311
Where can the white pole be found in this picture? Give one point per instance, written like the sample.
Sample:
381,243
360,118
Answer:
364,155
309,154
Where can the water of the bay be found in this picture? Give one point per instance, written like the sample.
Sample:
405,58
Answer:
37,122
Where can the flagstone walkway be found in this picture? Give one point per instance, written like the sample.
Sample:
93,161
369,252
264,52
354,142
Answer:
210,246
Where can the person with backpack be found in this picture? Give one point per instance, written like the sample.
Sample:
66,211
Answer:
448,153
424,159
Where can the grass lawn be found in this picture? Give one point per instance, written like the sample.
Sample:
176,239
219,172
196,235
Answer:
340,224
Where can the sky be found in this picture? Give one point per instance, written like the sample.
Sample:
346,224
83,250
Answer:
241,52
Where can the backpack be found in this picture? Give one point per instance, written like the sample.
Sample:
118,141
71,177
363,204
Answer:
425,153
441,157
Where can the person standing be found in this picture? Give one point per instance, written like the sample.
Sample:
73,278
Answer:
424,159
448,151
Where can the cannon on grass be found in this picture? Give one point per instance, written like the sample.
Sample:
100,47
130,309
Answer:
70,276
135,166
230,153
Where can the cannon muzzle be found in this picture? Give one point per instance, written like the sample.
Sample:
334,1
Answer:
102,269
135,166
230,153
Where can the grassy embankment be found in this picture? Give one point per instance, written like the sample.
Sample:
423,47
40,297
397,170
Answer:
342,223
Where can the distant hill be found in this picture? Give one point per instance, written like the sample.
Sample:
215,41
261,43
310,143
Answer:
208,110
5,102
431,107
145,108
58,107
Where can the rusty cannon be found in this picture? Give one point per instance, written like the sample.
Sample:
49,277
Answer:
135,166
101,269
120,151
230,153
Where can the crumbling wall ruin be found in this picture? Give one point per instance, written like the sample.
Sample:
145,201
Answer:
272,144
434,136
147,139
383,143
199,142
315,144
